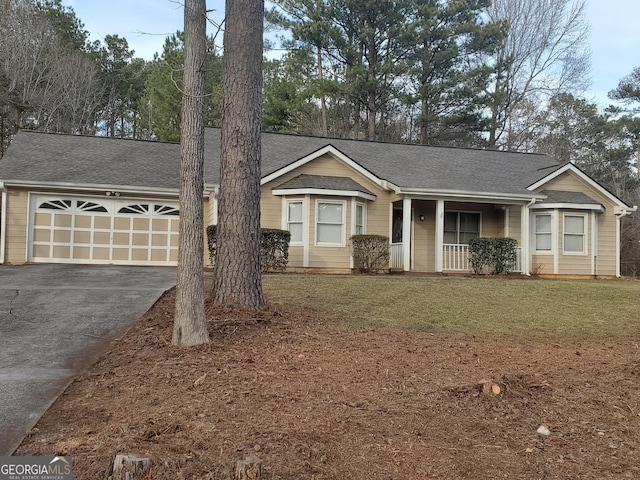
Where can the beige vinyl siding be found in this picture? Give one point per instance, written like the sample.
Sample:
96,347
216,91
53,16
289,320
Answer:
425,236
542,264
606,254
515,223
16,227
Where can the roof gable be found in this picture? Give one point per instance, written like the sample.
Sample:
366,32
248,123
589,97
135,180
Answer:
334,152
583,177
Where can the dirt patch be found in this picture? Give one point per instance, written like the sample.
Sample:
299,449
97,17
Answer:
315,401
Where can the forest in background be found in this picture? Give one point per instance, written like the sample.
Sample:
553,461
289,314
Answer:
502,74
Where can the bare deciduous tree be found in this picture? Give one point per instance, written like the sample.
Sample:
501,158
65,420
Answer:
237,278
544,52
190,326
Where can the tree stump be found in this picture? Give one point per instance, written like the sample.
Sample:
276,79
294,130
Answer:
248,469
130,466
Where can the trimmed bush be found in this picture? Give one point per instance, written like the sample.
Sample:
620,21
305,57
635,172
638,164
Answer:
274,248
370,253
499,254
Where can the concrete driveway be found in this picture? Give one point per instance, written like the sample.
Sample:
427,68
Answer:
52,317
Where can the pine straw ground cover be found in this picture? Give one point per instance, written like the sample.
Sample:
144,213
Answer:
317,400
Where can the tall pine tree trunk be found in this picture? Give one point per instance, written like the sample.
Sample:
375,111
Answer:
323,100
190,326
237,278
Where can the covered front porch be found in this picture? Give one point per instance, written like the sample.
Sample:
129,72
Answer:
432,235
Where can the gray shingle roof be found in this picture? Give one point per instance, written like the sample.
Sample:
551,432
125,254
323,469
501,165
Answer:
57,158
323,182
557,196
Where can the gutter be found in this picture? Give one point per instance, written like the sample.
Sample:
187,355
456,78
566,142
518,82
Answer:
3,221
93,187
480,196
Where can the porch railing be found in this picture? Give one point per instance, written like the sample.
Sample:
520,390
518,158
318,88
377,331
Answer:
396,257
455,258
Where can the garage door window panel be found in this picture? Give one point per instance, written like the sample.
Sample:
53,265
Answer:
56,205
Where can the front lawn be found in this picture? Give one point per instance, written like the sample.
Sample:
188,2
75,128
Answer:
468,305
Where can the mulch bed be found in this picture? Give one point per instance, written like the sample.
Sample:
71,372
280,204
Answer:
316,401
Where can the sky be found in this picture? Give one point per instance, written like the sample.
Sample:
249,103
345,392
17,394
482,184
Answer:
614,37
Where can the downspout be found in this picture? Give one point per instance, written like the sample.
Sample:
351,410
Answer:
3,221
594,244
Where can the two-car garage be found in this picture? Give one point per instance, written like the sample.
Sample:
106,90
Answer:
102,230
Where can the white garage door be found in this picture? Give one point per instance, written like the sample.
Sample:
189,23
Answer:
68,229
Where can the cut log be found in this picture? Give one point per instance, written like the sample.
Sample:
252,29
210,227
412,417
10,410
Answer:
130,466
489,388
248,469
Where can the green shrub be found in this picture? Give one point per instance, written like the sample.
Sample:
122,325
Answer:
274,248
499,254
370,253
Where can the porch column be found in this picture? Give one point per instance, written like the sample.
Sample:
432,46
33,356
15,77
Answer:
406,234
524,239
618,246
594,243
439,235
3,222
506,223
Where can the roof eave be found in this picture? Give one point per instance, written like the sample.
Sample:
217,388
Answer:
570,206
471,195
92,187
323,191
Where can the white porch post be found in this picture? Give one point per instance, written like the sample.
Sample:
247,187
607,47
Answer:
406,234
594,243
3,222
439,235
506,223
525,239
618,239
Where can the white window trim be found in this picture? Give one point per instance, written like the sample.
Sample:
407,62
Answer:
585,226
354,208
342,242
458,212
285,217
534,232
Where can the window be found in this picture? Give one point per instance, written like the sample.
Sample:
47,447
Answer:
460,227
294,220
359,219
543,235
330,223
574,234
